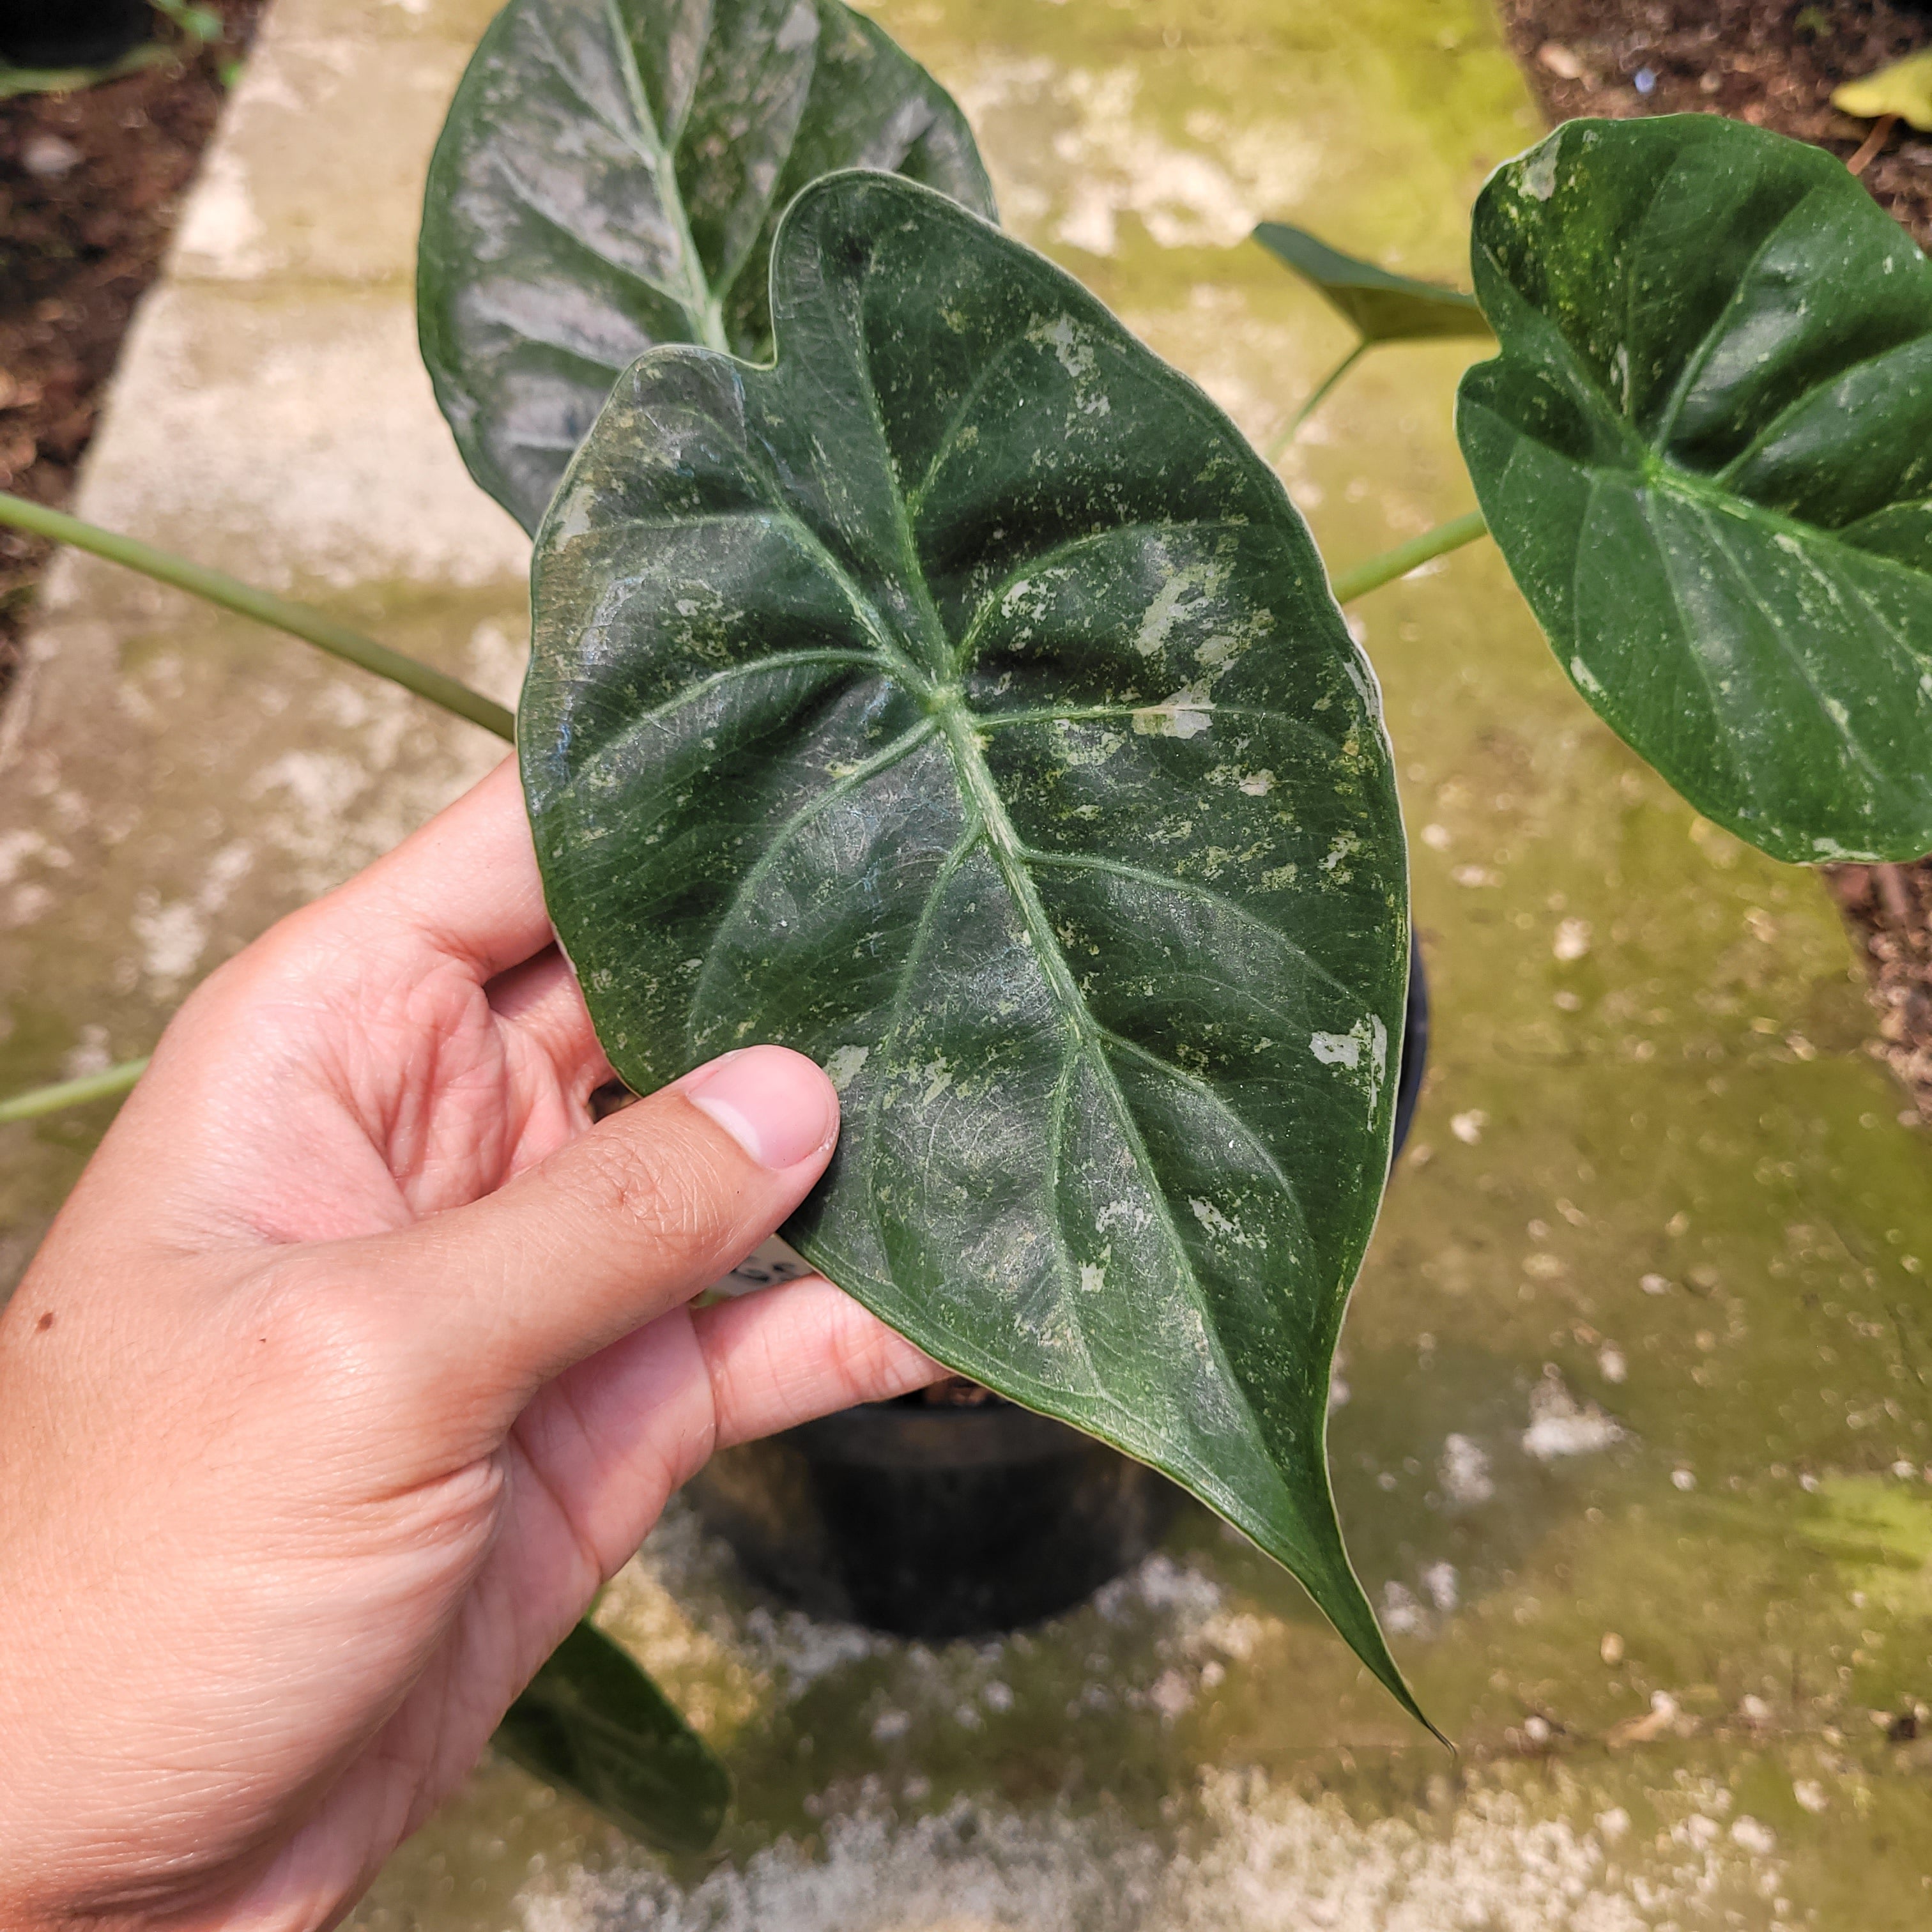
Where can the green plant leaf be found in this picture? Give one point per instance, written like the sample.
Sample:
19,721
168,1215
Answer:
16,81
1706,452
202,24
591,1720
609,178
962,702
1382,307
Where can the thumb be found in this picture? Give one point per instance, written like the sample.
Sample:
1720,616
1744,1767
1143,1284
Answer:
629,1220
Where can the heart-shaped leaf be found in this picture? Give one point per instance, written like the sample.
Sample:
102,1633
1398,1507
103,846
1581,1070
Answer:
591,1720
1706,452
609,177
961,701
1383,307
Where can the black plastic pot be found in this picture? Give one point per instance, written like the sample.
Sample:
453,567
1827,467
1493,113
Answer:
72,33
935,1522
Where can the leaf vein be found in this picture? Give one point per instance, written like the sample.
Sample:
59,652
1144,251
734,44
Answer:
1050,559
788,829
1003,842
1707,344
896,1016
635,725
1798,402
1788,649
1214,1097
1120,868
916,496
891,659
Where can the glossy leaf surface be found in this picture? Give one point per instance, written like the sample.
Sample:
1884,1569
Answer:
1706,452
962,702
591,1720
1383,307
609,177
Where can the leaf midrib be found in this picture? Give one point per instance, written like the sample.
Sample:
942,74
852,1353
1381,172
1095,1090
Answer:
944,699
949,711
655,162
982,796
698,303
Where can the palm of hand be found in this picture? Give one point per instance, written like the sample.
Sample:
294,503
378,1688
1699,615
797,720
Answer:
412,1084
405,1444
420,1084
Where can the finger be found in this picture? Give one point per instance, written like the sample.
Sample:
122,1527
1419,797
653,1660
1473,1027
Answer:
785,1354
466,885
610,1440
631,1219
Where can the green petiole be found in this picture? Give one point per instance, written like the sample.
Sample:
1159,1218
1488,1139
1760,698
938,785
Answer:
1277,449
1370,575
299,620
1384,568
38,1100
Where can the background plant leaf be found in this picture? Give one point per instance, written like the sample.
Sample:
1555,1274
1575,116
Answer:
1904,88
609,177
15,81
962,702
1706,452
1382,307
592,1720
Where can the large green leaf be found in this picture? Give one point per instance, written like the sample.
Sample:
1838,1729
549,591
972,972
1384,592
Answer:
1383,307
1706,451
609,177
592,1720
961,701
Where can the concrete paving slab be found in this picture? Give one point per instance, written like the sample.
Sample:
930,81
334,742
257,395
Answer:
171,780
1633,1420
285,431
315,115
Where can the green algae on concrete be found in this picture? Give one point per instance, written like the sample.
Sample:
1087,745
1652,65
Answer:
1632,1432
1632,1425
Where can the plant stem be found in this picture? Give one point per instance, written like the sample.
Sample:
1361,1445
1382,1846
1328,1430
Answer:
1277,449
18,80
301,620
39,1100
1373,572
1873,142
1369,575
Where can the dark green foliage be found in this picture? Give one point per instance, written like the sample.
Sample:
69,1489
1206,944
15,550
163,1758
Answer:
1706,452
609,177
592,1720
1382,307
962,702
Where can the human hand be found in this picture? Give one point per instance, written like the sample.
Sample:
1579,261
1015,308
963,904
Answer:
356,1363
